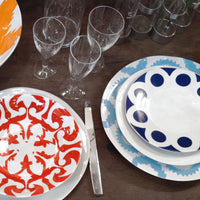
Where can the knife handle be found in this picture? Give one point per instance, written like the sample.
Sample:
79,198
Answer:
95,169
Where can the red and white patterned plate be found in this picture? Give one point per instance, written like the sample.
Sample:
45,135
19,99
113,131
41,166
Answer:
40,143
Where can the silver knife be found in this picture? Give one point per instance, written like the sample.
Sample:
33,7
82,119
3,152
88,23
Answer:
94,160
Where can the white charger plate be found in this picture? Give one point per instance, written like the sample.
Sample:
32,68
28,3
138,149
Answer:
10,28
161,155
163,108
108,115
66,186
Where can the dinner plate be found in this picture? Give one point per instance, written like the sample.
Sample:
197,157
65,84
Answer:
163,107
108,115
158,154
50,140
10,28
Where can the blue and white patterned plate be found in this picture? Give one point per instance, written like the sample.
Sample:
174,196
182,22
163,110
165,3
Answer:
166,171
158,154
163,107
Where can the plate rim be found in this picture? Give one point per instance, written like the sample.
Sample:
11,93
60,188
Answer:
62,190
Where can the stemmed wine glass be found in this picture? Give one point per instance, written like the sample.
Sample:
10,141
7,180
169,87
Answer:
70,13
105,25
84,54
48,35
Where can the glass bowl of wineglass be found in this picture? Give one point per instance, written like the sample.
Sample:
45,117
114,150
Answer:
84,54
48,35
70,13
105,25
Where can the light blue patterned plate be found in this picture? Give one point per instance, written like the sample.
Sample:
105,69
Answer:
147,149
165,171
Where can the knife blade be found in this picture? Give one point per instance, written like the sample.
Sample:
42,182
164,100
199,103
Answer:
94,159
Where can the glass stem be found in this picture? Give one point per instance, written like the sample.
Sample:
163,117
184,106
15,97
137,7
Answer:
44,63
73,84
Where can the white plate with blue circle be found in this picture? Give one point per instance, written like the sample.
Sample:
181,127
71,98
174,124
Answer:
158,154
163,107
188,172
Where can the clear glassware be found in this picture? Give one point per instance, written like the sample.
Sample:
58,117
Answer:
48,35
145,18
168,21
84,54
70,13
105,25
128,9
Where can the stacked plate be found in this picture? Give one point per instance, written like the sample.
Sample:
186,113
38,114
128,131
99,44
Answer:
44,147
10,28
150,111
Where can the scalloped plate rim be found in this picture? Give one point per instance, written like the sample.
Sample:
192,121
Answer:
135,131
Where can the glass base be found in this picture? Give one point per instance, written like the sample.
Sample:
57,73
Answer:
43,72
72,92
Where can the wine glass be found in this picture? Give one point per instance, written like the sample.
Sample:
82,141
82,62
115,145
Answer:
70,13
105,25
84,54
48,35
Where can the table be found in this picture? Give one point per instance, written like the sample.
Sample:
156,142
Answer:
121,180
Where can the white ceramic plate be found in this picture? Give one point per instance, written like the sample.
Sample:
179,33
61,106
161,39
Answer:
161,155
108,115
163,107
10,28
51,112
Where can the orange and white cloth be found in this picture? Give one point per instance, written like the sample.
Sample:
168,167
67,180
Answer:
10,27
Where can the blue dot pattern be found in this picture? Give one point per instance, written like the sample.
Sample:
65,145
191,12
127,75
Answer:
140,91
157,80
140,116
184,142
158,136
183,80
